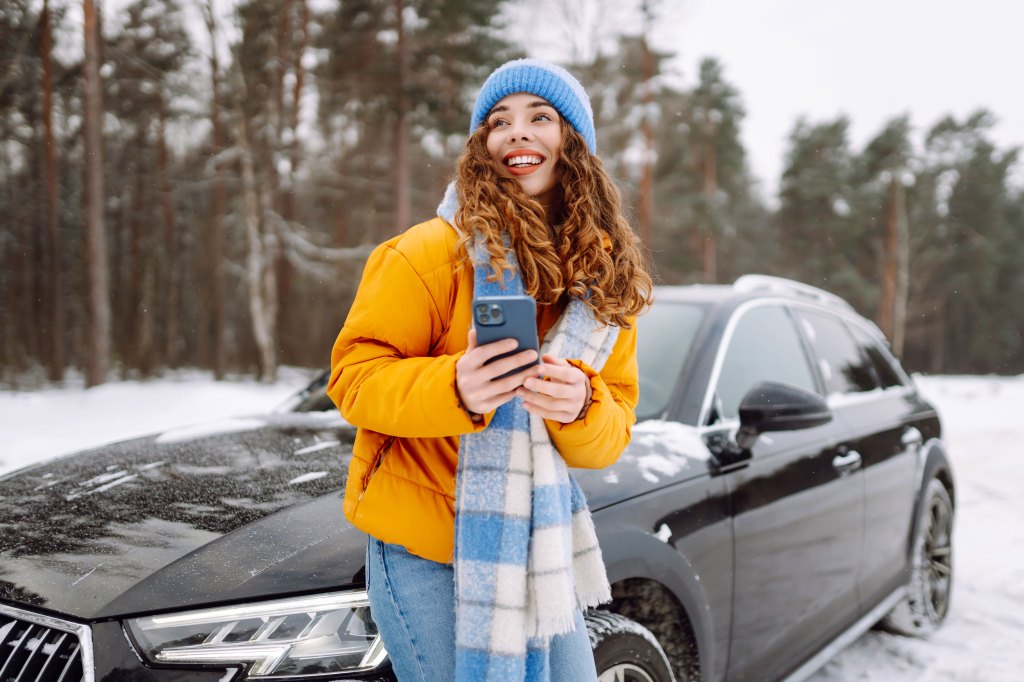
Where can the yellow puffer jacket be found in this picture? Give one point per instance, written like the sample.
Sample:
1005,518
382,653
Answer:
393,376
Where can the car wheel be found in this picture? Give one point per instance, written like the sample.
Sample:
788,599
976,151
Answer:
931,572
625,651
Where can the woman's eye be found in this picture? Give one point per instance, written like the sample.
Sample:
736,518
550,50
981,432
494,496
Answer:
542,117
498,122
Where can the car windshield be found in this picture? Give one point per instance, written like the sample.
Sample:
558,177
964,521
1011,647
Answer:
664,337
313,398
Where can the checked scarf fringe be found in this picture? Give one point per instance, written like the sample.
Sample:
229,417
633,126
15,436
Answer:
526,553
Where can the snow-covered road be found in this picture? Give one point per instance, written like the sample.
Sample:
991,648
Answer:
982,641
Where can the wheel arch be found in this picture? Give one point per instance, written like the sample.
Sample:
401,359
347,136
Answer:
640,565
934,464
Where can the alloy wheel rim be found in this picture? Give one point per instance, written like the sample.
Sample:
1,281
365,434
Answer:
625,672
937,558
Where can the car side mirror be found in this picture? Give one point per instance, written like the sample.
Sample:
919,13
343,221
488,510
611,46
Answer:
771,406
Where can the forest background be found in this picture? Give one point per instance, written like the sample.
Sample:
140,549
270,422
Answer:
185,187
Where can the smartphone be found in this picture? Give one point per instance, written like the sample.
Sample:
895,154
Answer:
507,317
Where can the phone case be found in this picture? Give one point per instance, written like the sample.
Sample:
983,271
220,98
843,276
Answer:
506,317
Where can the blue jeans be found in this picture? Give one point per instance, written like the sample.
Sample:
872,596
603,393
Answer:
413,604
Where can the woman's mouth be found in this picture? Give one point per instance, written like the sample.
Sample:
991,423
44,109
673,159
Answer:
519,163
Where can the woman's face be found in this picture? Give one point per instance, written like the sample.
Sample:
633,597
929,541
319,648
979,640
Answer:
523,138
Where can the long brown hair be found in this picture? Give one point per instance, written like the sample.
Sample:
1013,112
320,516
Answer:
571,258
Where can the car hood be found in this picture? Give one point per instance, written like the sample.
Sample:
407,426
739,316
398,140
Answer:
241,509
231,510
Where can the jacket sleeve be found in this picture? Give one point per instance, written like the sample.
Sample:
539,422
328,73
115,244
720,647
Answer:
383,376
599,438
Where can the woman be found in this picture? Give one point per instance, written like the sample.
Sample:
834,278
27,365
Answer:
489,584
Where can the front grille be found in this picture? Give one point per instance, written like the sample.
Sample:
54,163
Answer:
37,648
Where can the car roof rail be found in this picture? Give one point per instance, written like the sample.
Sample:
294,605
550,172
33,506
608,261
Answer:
789,286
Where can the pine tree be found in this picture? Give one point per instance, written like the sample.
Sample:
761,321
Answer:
822,242
884,172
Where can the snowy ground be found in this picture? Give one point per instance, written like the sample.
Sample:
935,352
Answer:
983,640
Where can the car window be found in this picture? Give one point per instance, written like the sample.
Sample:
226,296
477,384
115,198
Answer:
844,369
884,370
664,335
765,346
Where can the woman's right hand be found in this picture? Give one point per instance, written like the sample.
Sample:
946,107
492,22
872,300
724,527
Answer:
478,393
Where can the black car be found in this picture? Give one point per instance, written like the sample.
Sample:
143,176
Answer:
785,490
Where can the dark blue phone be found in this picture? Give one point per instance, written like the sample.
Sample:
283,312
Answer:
506,317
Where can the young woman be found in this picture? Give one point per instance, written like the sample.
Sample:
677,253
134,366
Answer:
481,552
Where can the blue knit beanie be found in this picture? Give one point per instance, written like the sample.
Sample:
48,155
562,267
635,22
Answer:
543,79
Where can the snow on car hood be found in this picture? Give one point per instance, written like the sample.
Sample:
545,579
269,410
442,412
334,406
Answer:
660,453
236,509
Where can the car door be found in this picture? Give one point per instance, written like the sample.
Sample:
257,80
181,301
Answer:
796,518
888,425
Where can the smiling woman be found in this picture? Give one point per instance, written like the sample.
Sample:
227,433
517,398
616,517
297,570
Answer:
491,587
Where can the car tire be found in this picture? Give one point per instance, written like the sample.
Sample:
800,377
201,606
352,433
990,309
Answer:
625,651
925,607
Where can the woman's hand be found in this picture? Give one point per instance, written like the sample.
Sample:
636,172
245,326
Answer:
562,396
477,391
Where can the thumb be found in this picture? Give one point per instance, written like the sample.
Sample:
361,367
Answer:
471,340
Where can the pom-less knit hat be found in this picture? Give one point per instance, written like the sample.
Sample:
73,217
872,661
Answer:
543,79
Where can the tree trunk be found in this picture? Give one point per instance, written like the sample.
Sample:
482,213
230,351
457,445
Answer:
902,272
709,257
645,200
56,299
142,335
218,234
97,286
172,282
403,206
259,264
890,245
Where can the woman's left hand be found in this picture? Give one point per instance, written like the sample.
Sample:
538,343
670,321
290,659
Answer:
561,396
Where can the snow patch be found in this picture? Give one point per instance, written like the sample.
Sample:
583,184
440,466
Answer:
664,533
102,488
666,465
306,478
317,447
679,439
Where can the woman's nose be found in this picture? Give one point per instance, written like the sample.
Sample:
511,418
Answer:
518,132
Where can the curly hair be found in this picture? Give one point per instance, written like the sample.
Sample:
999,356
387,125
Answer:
569,258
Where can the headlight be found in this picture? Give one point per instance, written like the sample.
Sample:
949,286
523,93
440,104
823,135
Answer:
324,633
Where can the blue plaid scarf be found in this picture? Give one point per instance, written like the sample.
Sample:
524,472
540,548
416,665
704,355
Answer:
526,554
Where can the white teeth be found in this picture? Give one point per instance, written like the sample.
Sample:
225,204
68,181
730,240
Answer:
523,161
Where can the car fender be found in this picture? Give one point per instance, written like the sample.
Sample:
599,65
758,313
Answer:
633,553
933,462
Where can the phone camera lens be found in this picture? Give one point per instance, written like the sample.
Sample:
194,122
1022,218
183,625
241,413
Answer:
484,317
481,309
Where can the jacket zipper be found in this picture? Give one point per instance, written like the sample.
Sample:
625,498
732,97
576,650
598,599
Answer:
378,459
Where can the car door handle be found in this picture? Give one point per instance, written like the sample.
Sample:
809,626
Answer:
911,437
846,463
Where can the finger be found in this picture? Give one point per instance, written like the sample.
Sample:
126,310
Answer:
545,413
513,363
566,374
495,348
543,401
551,388
498,400
471,340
